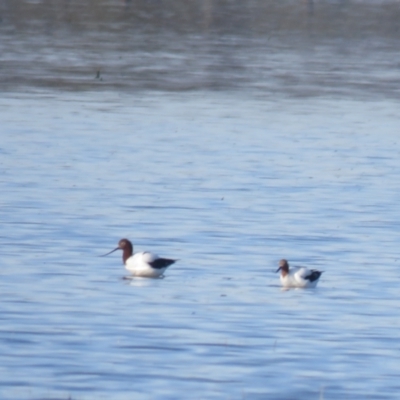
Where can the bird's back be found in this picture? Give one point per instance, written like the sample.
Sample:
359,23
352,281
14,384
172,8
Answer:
147,264
306,277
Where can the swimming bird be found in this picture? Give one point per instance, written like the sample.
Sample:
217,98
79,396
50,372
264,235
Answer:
298,276
144,264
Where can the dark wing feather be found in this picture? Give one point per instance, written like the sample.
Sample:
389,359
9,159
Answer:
313,275
160,263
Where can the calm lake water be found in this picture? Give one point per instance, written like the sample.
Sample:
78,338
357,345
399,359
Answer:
227,145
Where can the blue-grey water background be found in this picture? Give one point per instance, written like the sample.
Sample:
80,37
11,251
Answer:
227,135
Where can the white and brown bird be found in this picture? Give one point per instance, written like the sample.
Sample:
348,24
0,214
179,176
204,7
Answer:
144,264
298,276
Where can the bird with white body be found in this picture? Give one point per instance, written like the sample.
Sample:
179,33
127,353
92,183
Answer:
301,277
143,264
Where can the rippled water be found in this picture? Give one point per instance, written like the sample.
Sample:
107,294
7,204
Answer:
229,178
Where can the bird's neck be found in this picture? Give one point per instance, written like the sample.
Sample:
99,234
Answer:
284,272
127,252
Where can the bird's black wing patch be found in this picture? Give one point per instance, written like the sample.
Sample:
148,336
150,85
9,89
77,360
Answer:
161,263
313,276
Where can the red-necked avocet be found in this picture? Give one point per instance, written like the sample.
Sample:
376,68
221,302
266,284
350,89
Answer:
144,264
298,276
